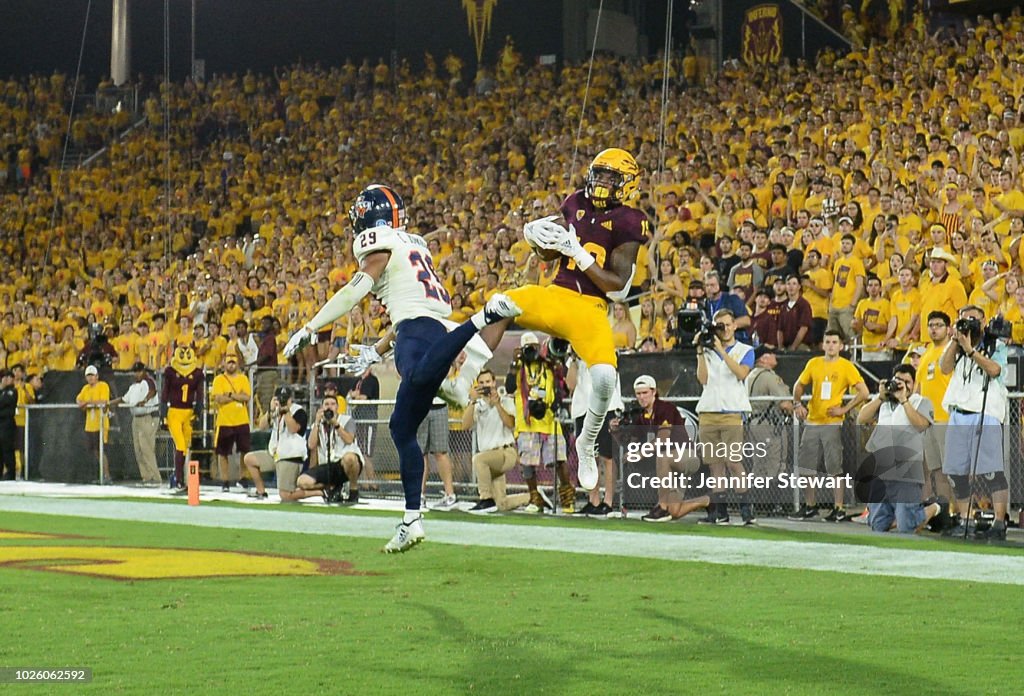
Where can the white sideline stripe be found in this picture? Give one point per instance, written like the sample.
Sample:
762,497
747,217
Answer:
838,558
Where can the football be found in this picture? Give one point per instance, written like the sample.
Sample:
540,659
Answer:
545,254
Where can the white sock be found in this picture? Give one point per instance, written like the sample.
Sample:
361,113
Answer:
592,423
411,516
602,380
478,320
477,355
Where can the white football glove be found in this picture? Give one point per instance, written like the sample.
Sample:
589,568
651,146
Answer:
299,340
364,357
537,230
565,242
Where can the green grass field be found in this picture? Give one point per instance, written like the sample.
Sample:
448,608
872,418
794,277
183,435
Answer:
457,619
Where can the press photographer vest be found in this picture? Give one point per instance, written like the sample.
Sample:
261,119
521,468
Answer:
724,392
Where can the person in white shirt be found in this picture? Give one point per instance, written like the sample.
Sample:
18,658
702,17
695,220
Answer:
246,345
143,399
722,368
398,268
892,477
334,455
491,416
286,454
976,400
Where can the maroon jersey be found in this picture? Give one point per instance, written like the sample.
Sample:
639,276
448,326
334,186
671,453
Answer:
600,232
182,391
762,259
766,324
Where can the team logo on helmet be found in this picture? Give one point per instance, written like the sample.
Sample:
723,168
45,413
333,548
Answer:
360,208
613,178
377,206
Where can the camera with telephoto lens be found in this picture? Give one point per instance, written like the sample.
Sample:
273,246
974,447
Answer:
892,386
531,353
537,408
970,326
282,394
998,329
558,348
328,415
631,415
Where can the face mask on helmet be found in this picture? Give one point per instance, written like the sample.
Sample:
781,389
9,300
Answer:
613,178
603,185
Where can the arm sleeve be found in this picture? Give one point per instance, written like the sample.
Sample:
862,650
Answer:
926,409
748,359
806,316
854,375
805,375
738,308
776,387
343,301
302,419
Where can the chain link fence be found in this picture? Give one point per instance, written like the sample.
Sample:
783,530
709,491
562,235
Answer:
56,450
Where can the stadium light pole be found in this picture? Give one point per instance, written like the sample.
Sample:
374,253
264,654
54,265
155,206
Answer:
120,63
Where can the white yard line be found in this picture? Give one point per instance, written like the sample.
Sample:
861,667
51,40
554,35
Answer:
839,558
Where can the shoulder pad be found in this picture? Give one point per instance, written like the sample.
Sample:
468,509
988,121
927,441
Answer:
375,239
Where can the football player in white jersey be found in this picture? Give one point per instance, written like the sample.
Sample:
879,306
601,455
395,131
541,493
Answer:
397,267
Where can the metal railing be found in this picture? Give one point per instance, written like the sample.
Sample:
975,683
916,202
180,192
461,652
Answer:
47,438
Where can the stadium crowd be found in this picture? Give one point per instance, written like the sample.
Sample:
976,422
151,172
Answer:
898,162
240,213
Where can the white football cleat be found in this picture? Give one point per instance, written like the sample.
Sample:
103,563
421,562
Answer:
587,471
407,535
299,340
499,307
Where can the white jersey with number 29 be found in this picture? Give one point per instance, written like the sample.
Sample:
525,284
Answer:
408,287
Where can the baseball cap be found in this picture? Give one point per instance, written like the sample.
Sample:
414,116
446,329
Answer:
528,338
845,218
91,370
644,382
139,366
918,350
762,350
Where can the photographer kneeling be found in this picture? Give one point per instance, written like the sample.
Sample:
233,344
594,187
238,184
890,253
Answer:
976,399
655,420
286,453
893,476
335,456
491,417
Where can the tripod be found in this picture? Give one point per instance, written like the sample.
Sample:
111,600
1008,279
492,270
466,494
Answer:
977,448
